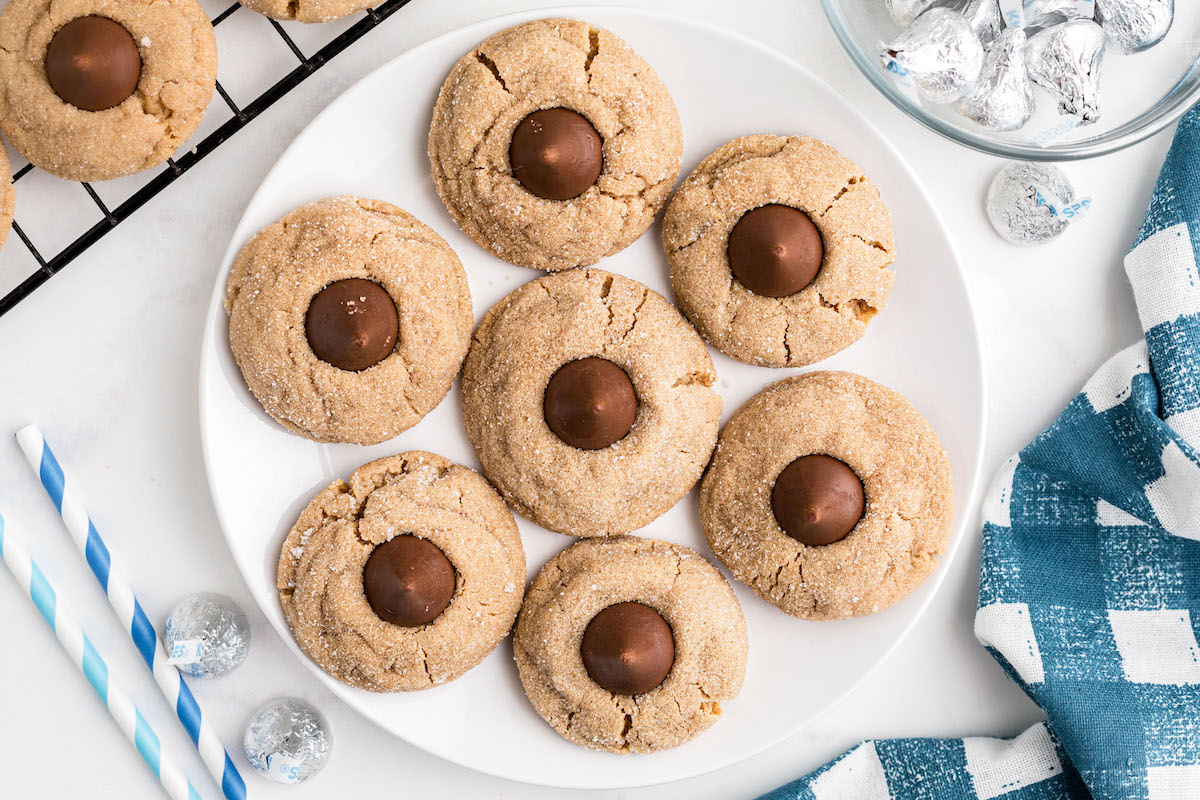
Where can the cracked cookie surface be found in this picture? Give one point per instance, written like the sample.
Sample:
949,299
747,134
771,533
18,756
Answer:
320,573
895,453
7,196
706,623
547,64
852,286
279,271
522,342
307,10
179,72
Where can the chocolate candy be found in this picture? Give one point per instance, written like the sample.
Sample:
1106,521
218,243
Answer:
206,635
408,581
93,63
1135,25
984,17
287,741
1065,61
628,649
941,52
556,154
352,324
1003,98
1027,203
817,500
1048,13
590,403
775,250
905,11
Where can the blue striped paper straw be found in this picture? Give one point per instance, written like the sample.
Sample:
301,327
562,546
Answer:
129,612
79,647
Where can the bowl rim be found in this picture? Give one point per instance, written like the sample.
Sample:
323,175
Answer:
1166,112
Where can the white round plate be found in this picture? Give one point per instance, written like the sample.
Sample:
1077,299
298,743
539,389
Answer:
371,142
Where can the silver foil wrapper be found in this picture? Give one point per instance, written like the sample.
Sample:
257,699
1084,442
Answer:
1044,13
1002,98
984,16
905,11
1022,199
206,635
287,741
1135,25
940,52
1065,61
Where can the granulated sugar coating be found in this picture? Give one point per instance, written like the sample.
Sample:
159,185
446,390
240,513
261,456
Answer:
554,63
686,590
320,576
276,276
522,342
854,282
889,445
179,72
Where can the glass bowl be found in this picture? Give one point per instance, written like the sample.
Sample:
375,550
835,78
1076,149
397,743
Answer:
1140,94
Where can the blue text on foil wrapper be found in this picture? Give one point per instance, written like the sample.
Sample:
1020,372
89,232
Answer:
903,76
1073,211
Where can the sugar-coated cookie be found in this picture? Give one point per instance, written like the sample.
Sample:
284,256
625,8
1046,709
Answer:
308,10
349,319
828,495
97,89
809,235
405,577
630,645
553,144
589,402
7,196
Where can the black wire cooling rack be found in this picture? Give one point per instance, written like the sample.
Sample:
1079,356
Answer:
115,211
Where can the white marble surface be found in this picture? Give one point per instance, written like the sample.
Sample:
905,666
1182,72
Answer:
104,358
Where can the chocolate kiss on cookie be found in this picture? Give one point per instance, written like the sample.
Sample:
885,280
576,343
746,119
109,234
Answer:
628,649
556,154
590,403
408,581
93,63
775,250
352,324
817,500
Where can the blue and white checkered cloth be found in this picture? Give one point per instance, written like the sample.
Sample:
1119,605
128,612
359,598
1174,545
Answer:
1090,582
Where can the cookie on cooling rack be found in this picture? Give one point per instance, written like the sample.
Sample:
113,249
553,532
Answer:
95,89
779,250
349,319
829,495
308,10
7,196
630,645
405,577
553,144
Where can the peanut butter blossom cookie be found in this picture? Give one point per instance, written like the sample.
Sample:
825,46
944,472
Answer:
405,577
589,402
828,495
630,645
7,196
554,145
308,10
779,250
349,319
97,89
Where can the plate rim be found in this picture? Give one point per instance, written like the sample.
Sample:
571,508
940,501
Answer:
947,559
